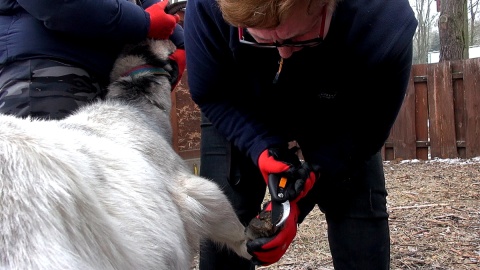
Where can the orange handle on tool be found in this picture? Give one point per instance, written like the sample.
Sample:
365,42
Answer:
276,187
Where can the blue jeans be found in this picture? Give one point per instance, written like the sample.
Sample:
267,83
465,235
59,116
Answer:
355,211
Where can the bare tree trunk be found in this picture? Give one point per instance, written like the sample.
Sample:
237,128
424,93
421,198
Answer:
466,48
422,38
473,8
452,30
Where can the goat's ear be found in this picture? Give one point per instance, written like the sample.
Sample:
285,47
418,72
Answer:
162,48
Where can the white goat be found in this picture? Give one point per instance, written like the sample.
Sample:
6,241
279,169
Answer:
103,188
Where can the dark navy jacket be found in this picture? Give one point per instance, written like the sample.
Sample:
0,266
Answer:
89,33
338,100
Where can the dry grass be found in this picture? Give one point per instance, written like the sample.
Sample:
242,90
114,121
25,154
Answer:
434,219
434,211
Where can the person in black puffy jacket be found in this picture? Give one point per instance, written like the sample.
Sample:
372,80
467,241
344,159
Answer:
57,55
329,75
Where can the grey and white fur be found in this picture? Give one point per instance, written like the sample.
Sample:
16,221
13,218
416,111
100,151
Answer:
103,188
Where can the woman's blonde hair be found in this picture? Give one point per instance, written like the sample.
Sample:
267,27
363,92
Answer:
261,13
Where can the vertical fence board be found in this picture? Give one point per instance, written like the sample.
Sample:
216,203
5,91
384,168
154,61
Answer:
174,120
187,140
459,106
421,110
382,151
387,149
404,139
441,112
471,82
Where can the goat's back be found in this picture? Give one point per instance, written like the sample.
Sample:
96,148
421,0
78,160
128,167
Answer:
103,188
68,190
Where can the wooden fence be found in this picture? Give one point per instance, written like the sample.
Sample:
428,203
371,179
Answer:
185,118
440,117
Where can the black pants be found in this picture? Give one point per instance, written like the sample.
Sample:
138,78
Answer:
355,211
45,88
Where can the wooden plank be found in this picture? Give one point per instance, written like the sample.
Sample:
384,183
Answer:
190,154
180,100
459,104
441,111
387,151
174,121
471,82
188,118
382,152
404,138
421,110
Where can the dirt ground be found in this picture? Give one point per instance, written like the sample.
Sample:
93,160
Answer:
434,209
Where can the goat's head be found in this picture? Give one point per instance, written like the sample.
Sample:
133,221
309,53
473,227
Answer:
143,71
150,56
147,54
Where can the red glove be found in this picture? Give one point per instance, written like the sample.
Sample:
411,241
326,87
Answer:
306,176
266,251
177,60
275,163
161,23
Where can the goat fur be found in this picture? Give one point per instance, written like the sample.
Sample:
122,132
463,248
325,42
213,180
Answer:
103,188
